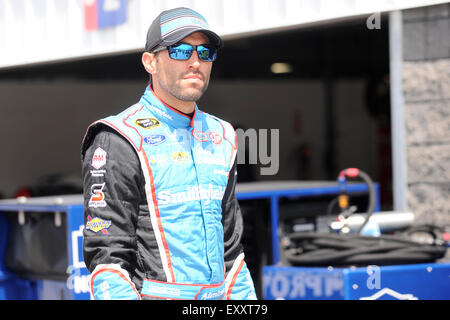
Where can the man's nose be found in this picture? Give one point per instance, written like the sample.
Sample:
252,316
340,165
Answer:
194,61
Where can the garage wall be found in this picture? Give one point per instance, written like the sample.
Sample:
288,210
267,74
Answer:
43,123
296,108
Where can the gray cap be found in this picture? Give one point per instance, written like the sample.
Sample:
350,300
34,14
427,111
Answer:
173,25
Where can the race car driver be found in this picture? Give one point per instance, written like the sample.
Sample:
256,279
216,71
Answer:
161,216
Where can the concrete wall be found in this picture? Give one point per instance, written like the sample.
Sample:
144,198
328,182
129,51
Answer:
426,85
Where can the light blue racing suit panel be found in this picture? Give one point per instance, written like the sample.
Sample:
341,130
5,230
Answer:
188,226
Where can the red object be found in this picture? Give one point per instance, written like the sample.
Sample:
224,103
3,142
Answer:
446,236
90,14
23,192
352,172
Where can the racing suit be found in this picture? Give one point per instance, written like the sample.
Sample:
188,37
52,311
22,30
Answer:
161,215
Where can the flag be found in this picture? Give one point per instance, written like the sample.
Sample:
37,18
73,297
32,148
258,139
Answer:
99,14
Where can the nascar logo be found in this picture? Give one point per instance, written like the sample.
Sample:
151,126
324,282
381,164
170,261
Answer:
147,123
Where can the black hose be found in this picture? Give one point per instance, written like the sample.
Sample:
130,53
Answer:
353,173
314,249
331,249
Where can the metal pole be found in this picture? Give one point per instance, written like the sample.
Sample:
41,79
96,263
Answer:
399,161
274,216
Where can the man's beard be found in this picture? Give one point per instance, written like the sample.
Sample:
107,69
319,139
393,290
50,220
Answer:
185,94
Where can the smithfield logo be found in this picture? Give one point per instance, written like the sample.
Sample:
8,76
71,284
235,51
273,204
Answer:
154,139
148,123
191,193
98,224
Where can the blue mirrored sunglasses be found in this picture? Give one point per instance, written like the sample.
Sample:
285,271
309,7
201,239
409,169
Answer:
183,51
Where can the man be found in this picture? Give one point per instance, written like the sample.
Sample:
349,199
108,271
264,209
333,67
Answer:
161,216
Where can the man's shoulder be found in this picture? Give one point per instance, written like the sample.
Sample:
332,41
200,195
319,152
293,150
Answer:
103,134
109,126
227,126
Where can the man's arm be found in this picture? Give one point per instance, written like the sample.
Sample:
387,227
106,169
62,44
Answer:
239,284
111,178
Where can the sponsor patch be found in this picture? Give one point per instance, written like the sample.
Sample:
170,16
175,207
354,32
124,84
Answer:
97,196
98,173
179,157
148,123
99,158
200,135
192,193
98,224
155,139
215,137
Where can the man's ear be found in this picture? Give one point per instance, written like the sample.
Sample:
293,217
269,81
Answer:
149,62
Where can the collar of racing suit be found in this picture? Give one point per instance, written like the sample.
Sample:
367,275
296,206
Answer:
176,118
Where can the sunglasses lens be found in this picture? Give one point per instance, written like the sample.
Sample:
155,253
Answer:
206,53
184,51
181,51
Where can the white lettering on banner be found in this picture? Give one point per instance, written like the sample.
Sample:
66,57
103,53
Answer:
81,284
111,5
76,281
194,193
299,284
77,243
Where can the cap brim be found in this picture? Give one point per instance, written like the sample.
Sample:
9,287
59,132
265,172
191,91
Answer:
177,36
